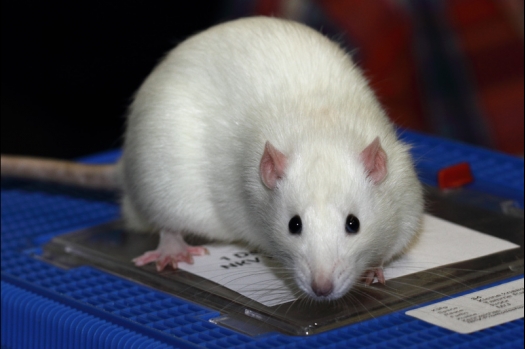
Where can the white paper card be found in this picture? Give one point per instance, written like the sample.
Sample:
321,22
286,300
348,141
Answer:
241,271
476,311
440,243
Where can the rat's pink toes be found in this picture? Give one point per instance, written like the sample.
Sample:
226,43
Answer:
371,274
162,262
164,257
197,251
146,258
184,257
173,260
380,276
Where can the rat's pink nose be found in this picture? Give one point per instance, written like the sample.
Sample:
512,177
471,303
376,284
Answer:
322,288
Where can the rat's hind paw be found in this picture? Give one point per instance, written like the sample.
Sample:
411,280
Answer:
371,274
171,250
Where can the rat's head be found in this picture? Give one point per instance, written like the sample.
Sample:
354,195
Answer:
329,214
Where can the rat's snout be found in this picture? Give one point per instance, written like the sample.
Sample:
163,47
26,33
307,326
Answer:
322,287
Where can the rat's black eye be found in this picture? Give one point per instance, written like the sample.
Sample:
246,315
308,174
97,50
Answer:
352,224
295,226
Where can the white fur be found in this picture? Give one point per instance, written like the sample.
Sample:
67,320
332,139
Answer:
196,133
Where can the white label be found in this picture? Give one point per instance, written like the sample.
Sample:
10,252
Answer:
476,311
241,271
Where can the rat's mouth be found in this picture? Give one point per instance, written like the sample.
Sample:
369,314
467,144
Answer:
331,291
329,285
324,298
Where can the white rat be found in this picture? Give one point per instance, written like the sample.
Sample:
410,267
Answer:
264,130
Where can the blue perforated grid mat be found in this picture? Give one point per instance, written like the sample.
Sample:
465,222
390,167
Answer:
47,307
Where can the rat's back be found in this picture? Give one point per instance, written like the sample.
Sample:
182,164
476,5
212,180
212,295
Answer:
198,125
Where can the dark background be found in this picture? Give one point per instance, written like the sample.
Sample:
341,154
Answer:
69,68
452,68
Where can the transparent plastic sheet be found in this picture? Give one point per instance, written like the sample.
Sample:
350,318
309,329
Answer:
111,248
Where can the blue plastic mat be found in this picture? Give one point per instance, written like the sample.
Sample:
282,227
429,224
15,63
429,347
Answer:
494,173
44,306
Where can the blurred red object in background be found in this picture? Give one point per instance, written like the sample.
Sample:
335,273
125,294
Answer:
453,68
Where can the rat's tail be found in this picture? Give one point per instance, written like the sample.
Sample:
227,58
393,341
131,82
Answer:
103,177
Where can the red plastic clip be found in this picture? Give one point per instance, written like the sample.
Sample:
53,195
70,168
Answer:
455,176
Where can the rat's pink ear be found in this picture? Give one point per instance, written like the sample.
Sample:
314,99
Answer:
272,166
374,158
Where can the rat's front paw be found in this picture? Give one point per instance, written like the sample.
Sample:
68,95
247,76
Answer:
371,274
171,250
162,258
